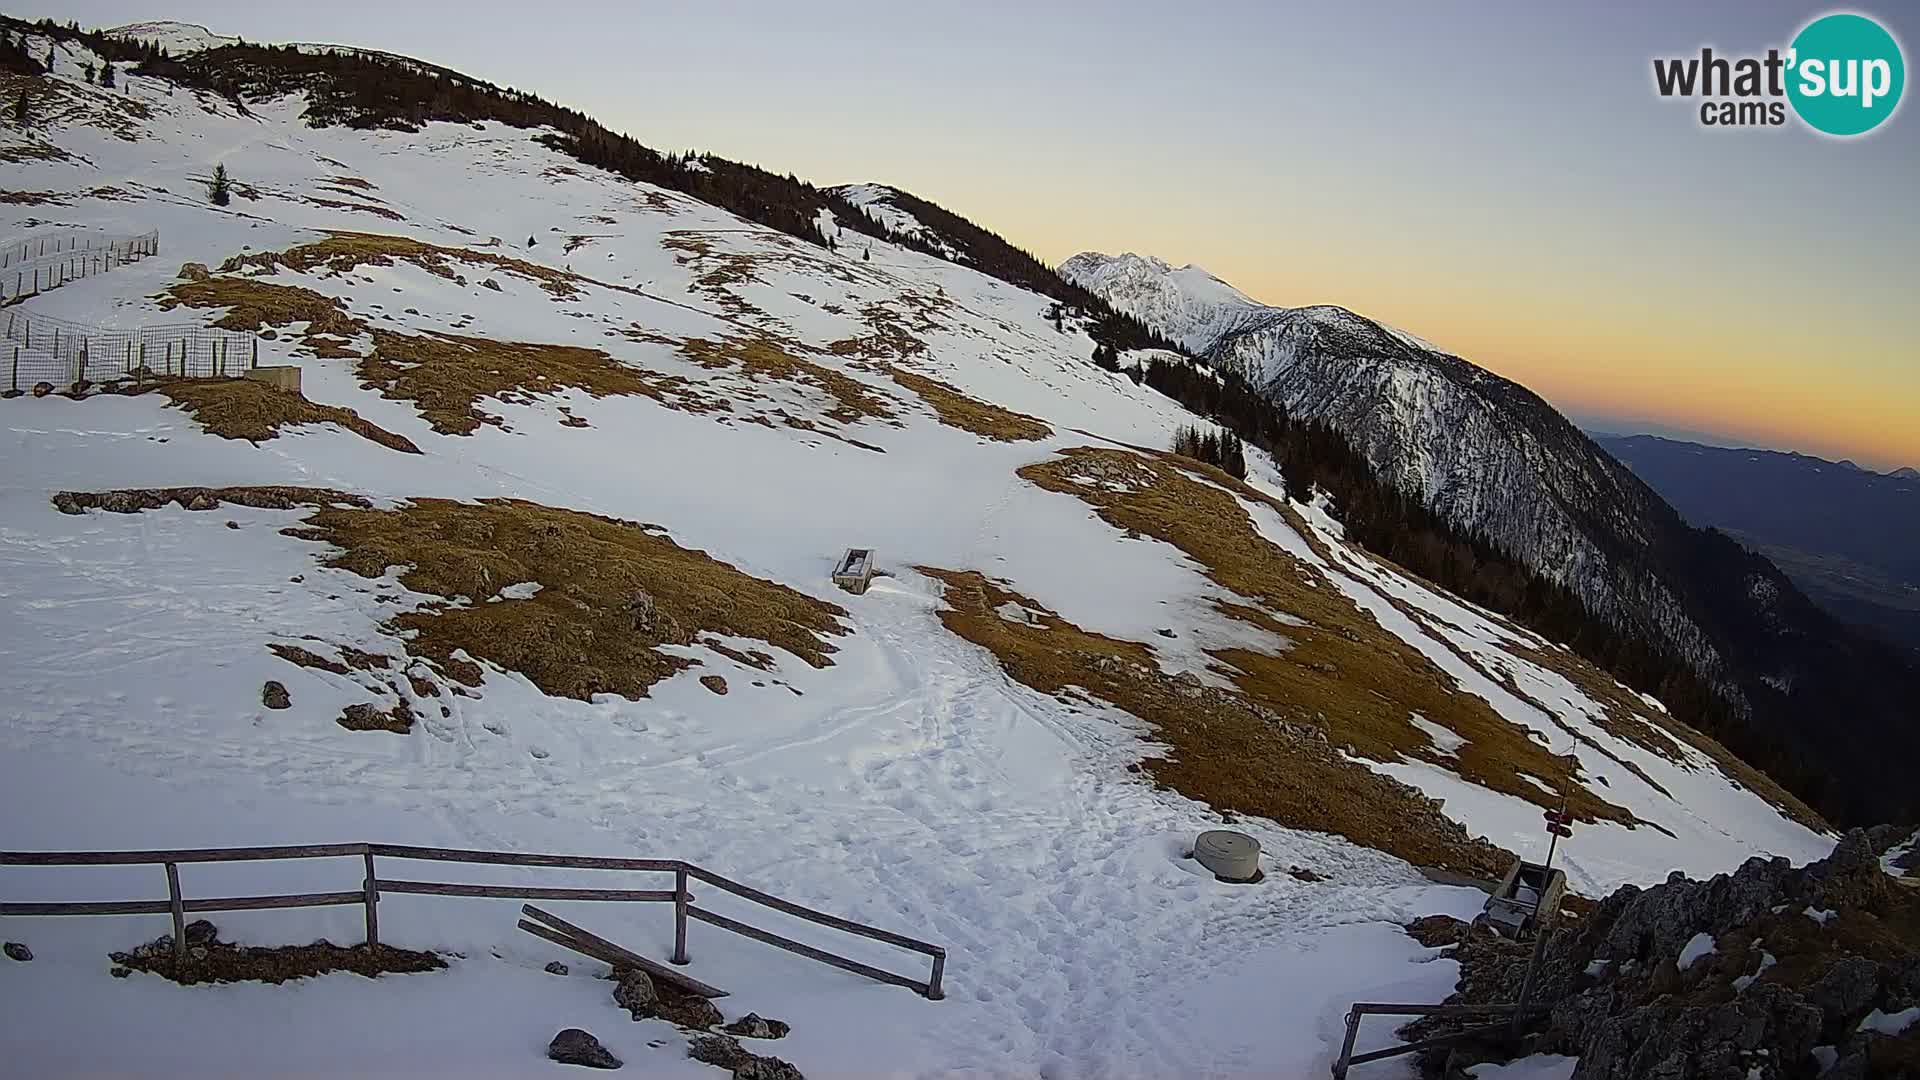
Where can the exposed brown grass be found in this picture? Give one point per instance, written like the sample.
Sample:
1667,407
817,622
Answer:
396,719
364,208
1226,749
447,375
343,251
264,497
254,411
588,630
305,657
956,409
766,357
253,305
1342,671
222,962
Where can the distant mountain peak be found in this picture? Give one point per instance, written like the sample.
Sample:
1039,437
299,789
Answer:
1908,473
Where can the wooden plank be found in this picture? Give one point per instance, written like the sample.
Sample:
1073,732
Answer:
1378,1009
524,892
807,951
108,907
619,957
179,915
821,917
183,855
370,896
284,900
516,858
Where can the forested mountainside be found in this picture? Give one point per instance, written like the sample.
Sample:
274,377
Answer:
1500,464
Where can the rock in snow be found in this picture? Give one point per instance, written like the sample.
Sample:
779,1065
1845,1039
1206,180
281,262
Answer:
576,1047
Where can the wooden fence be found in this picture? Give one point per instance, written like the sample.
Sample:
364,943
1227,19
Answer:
372,885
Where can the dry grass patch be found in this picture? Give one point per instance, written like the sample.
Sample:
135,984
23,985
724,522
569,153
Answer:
1341,671
255,304
765,357
341,252
214,961
447,375
613,592
1227,749
263,497
364,208
365,716
255,411
305,657
956,409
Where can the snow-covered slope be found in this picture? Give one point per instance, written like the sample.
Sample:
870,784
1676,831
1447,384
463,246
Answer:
177,38
1482,451
544,332
876,200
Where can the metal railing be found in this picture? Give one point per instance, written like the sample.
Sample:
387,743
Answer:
33,265
41,348
372,885
1509,1012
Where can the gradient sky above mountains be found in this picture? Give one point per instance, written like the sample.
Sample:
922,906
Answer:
1499,178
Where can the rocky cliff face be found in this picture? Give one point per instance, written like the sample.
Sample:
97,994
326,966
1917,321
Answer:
1769,973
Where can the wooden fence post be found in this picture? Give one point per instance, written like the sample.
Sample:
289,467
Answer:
16,369
680,916
373,899
934,992
179,918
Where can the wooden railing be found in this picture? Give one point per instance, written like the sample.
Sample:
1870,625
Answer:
372,885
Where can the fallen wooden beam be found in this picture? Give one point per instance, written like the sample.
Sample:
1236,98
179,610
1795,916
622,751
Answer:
565,934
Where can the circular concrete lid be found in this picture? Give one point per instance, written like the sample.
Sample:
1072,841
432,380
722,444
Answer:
1234,856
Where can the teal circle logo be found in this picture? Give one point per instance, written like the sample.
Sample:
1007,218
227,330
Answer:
1845,74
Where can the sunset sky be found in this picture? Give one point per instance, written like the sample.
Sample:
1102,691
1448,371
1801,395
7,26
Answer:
1499,178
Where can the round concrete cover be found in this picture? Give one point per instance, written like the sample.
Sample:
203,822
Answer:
1231,855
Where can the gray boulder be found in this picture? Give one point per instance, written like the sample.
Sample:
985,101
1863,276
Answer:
634,992
576,1047
755,1026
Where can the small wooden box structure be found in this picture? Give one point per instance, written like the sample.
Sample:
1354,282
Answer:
1528,890
854,572
284,377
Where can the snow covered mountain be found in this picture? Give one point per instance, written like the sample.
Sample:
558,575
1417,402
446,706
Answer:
1483,451
1502,464
538,558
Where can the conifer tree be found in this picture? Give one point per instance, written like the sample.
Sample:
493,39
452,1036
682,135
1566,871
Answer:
106,76
220,188
21,111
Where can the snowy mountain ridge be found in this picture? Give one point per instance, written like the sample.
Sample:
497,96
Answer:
1481,451
539,559
1501,464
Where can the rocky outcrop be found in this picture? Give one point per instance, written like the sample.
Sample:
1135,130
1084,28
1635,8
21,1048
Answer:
576,1047
727,1053
1800,960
